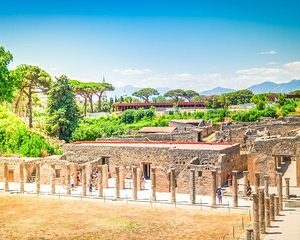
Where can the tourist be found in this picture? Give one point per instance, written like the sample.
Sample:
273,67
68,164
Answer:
72,182
90,187
249,190
219,194
229,181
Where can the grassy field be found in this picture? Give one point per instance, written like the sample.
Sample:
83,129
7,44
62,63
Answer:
44,218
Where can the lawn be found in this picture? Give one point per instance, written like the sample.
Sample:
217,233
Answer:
24,217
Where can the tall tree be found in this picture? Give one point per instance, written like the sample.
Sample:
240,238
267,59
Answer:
189,94
145,93
8,82
32,80
100,89
63,111
175,94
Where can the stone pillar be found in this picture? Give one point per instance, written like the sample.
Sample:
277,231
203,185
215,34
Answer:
52,178
122,177
21,174
219,179
276,205
5,180
105,175
68,180
256,182
267,211
153,184
262,225
287,188
117,185
173,186
235,189
83,180
75,174
192,186
37,177
298,171
279,161
266,184
213,187
256,234
245,183
279,190
272,209
139,178
134,183
100,181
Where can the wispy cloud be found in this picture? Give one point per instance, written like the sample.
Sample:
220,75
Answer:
271,52
132,71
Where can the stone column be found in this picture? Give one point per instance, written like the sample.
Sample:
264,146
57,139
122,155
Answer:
219,179
279,190
266,184
298,171
256,182
139,179
68,180
267,211
272,209
117,185
21,174
287,188
276,205
75,174
235,189
5,180
134,183
100,181
245,183
262,225
122,177
256,234
37,177
279,161
153,184
105,175
83,180
173,186
192,186
213,187
52,178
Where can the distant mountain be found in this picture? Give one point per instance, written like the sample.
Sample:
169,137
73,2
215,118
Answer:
276,88
257,88
217,91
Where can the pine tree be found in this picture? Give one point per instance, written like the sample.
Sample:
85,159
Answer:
63,112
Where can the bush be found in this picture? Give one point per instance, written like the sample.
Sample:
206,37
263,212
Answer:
16,137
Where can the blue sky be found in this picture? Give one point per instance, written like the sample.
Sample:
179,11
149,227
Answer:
184,44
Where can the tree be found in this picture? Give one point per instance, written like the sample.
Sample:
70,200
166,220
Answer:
145,93
100,89
63,111
8,82
175,94
32,80
190,94
260,100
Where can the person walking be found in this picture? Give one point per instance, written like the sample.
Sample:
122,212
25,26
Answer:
219,194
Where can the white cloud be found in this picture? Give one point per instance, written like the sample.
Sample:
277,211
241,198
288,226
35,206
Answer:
280,73
132,72
271,52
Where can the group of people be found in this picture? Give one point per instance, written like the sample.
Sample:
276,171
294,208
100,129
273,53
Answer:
220,191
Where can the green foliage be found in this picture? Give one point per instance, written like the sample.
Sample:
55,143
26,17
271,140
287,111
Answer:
16,137
260,100
63,111
175,94
145,93
8,82
254,114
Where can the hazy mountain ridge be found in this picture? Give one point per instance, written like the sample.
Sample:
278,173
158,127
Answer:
257,88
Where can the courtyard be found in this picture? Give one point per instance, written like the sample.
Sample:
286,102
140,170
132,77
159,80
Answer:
30,217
